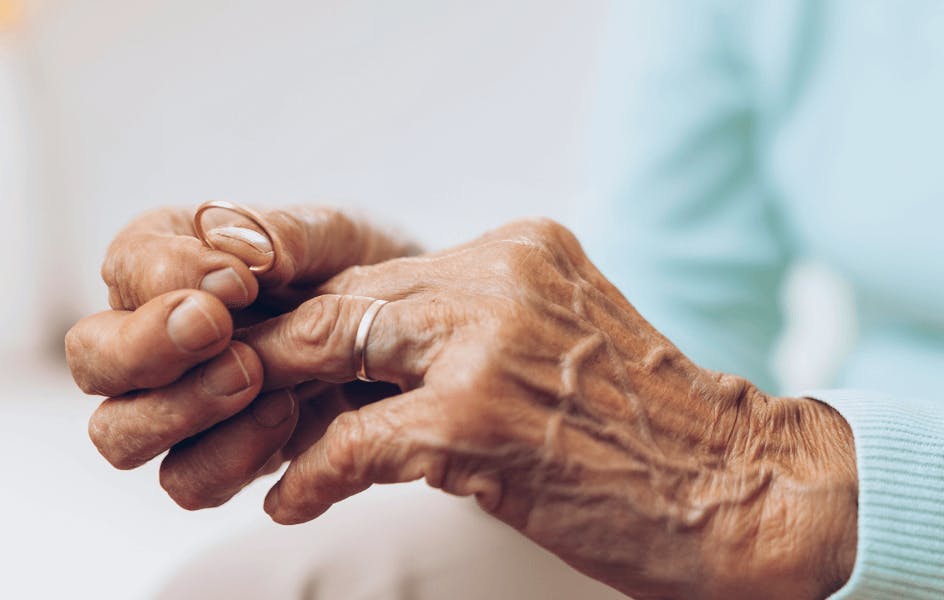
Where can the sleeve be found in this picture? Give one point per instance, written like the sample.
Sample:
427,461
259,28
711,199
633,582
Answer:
900,458
680,218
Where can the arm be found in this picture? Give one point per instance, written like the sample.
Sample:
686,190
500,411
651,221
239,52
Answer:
692,235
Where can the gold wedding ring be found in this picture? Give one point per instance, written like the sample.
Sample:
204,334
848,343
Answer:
246,213
360,339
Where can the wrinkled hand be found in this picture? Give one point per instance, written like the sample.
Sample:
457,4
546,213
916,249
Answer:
531,383
164,352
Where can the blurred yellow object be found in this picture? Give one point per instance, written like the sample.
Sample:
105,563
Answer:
10,13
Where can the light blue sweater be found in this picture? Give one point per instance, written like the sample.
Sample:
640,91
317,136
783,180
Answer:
735,137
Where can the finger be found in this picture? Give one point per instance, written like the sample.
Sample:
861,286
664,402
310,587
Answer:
132,429
379,443
208,469
316,242
321,242
113,352
211,467
158,253
320,403
316,341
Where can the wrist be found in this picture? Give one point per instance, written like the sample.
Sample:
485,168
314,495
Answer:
834,468
816,486
795,535
776,479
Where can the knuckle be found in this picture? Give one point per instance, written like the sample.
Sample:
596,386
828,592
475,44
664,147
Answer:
163,268
359,272
114,298
321,324
520,256
316,318
114,269
75,350
108,269
112,444
535,261
549,227
558,243
543,230
346,433
111,264
436,470
527,256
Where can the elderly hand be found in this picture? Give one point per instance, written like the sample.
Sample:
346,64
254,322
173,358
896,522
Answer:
164,352
531,383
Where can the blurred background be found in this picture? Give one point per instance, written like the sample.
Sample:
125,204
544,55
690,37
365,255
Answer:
443,118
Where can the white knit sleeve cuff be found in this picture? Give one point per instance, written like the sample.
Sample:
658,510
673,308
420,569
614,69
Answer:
899,447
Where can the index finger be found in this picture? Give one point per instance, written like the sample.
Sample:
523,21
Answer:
317,242
317,341
159,252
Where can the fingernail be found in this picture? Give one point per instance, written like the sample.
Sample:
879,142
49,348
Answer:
191,328
258,241
226,285
271,410
226,375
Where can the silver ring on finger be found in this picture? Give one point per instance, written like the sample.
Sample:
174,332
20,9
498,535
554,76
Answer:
360,339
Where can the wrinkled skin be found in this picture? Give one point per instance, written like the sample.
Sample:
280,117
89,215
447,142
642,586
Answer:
522,377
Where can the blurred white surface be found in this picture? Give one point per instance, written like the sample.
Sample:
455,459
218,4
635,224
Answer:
18,312
73,527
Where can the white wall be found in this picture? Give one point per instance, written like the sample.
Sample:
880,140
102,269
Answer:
445,117
19,313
